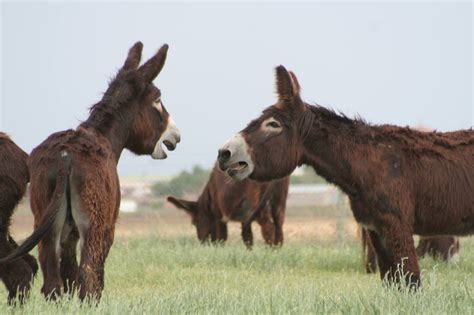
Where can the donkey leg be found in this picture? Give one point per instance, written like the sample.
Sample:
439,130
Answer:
28,258
49,261
267,227
278,215
16,276
221,231
69,267
400,254
247,235
94,251
381,254
370,256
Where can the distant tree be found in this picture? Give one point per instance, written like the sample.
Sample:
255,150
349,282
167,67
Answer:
309,176
184,182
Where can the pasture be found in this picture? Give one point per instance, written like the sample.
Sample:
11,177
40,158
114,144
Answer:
158,266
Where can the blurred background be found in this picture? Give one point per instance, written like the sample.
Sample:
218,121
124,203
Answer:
400,63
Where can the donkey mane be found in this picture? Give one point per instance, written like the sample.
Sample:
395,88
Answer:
411,140
115,102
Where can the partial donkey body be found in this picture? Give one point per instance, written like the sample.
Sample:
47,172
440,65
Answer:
14,177
399,181
225,200
75,191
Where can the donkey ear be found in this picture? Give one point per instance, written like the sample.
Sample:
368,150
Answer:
287,84
153,66
134,56
188,206
295,84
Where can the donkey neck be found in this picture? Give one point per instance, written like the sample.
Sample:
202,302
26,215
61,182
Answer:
113,117
331,147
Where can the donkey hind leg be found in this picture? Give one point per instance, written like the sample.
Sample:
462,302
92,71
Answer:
398,254
69,267
278,216
48,254
221,231
267,227
94,251
247,235
17,276
28,258
370,256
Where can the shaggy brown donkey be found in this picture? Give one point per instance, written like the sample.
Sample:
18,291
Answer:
14,177
445,248
245,201
75,192
399,181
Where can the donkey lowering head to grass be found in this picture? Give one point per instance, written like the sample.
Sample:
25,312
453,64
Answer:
75,192
399,181
224,200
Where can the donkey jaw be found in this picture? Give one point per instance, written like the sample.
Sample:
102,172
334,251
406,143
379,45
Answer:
170,138
234,158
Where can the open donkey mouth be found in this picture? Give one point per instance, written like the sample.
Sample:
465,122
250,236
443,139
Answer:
236,168
169,145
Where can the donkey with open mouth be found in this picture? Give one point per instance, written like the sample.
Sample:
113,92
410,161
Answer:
75,191
399,181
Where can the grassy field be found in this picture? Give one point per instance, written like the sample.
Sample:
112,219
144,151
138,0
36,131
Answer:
168,271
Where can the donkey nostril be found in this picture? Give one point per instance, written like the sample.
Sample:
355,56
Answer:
224,155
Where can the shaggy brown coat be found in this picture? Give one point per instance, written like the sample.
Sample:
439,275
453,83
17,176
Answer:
224,200
14,177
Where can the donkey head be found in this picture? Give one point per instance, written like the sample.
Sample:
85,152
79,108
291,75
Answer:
152,126
270,146
198,218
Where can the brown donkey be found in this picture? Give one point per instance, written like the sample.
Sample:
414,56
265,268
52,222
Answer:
399,181
224,200
445,248
75,193
14,178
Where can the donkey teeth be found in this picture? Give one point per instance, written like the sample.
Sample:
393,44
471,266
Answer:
236,168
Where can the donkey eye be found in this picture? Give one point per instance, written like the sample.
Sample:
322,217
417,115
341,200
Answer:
273,124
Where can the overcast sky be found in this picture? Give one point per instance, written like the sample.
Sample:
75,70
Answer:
400,63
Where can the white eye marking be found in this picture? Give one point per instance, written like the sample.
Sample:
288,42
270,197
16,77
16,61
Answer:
271,125
157,104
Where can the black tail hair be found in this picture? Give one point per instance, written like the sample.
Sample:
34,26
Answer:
62,186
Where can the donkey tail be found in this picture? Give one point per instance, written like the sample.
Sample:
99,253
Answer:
62,187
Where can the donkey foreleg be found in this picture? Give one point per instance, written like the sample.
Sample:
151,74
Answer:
396,247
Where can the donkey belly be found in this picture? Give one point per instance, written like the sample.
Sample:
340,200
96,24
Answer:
457,221
244,211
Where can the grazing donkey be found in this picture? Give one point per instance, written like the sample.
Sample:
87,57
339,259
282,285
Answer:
445,248
14,177
399,181
75,193
224,200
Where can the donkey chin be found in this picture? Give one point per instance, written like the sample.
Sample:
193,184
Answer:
170,138
234,158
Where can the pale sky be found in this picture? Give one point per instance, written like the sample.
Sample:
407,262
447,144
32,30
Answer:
399,63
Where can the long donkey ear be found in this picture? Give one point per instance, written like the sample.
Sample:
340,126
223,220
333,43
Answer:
153,66
188,206
286,87
134,56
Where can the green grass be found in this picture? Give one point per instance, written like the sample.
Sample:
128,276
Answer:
163,275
